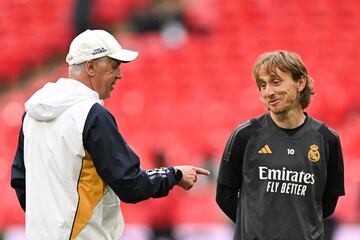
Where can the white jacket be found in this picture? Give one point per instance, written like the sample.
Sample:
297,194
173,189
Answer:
64,193
72,166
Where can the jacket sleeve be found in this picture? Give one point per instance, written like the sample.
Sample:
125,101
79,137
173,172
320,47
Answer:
18,170
117,163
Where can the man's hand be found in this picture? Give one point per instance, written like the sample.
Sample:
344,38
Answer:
189,177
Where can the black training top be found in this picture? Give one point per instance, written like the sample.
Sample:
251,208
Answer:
283,178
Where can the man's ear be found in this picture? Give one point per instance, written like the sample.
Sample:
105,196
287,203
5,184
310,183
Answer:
90,68
301,83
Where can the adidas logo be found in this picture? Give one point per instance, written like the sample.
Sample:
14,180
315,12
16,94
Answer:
265,150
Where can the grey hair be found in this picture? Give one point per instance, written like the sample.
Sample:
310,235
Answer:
75,69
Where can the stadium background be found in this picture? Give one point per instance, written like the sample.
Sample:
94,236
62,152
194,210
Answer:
190,87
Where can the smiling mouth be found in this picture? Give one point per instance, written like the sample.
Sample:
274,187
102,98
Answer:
273,102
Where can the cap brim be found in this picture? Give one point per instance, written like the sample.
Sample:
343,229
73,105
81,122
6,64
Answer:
124,55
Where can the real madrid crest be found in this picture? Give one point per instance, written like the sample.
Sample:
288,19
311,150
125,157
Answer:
313,153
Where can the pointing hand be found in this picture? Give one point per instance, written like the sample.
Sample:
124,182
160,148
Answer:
189,177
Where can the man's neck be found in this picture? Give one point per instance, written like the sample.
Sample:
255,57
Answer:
290,119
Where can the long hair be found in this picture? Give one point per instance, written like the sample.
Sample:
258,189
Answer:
289,62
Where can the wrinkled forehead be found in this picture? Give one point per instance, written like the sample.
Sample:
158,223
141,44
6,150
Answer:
107,61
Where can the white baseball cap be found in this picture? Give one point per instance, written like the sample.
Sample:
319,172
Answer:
93,44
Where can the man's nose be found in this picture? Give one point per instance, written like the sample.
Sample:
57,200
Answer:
119,74
269,90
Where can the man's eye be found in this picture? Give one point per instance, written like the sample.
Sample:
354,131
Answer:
276,82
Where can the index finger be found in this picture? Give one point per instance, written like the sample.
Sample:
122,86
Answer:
201,171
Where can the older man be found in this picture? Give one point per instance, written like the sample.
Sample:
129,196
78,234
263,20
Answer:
72,167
